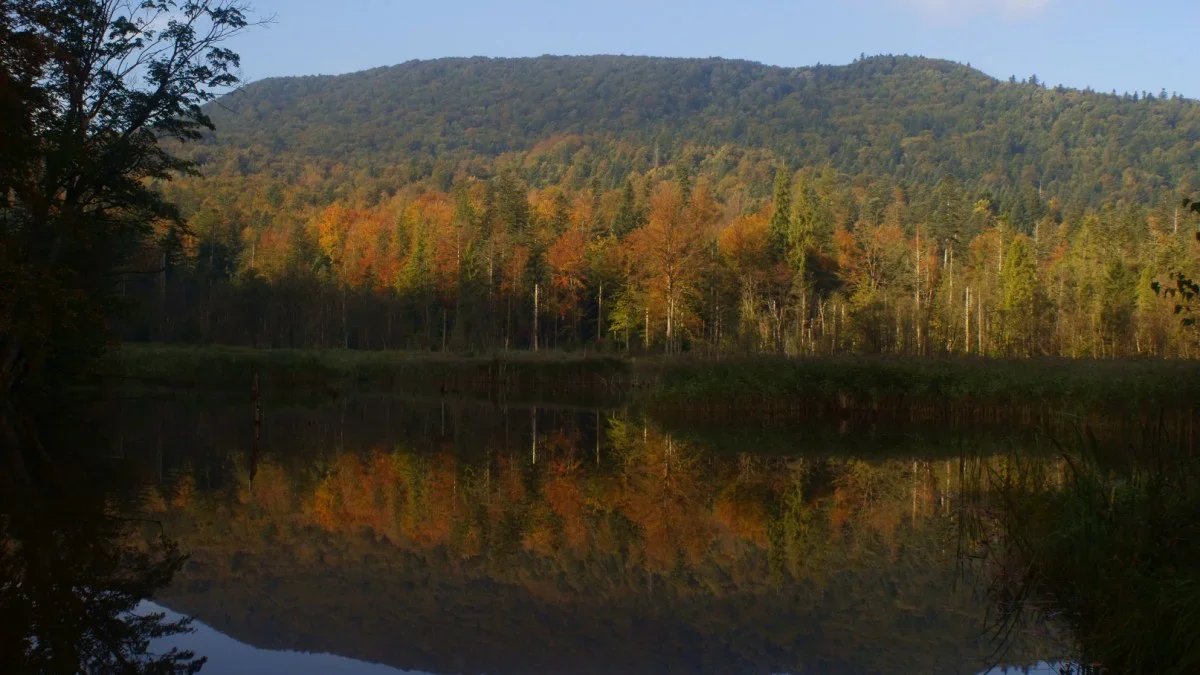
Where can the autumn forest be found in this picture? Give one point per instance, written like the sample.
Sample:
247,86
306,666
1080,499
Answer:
586,363
913,223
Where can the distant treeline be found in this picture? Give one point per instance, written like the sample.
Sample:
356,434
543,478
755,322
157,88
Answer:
669,262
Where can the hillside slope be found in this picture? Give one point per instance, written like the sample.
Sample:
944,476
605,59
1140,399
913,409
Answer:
913,120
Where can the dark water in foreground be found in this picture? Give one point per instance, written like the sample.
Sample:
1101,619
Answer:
384,536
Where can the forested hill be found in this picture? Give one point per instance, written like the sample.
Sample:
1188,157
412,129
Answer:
572,119
894,205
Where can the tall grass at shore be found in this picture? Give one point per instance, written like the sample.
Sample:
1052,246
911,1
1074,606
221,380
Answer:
287,372
966,390
879,381
1107,542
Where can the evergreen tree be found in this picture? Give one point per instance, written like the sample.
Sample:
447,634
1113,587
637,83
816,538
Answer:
948,217
683,177
1021,311
780,224
512,203
628,218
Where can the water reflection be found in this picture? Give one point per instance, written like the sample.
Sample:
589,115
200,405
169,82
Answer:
73,569
464,539
227,656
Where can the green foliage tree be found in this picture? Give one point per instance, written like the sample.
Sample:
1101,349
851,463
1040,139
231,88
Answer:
1183,289
1021,295
780,225
628,218
1116,303
93,89
948,215
512,203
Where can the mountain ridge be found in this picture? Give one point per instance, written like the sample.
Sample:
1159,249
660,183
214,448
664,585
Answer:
911,120
622,56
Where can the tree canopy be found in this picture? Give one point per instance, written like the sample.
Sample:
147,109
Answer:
907,119
90,88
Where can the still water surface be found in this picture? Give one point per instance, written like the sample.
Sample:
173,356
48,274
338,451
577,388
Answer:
384,536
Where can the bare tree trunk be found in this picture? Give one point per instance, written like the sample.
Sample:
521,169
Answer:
967,321
950,296
806,325
600,315
670,314
843,319
917,286
834,320
979,305
821,317
917,324
162,290
536,291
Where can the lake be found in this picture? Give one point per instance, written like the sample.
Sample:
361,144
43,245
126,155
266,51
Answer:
384,535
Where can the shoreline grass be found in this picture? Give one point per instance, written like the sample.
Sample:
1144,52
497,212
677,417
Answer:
1108,543
921,387
304,372
876,381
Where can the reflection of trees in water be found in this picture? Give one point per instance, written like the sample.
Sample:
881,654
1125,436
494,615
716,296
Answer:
654,503
72,572
841,561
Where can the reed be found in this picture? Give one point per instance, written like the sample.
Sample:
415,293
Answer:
1106,541
964,390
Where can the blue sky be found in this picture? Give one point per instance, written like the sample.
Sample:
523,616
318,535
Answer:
1127,45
